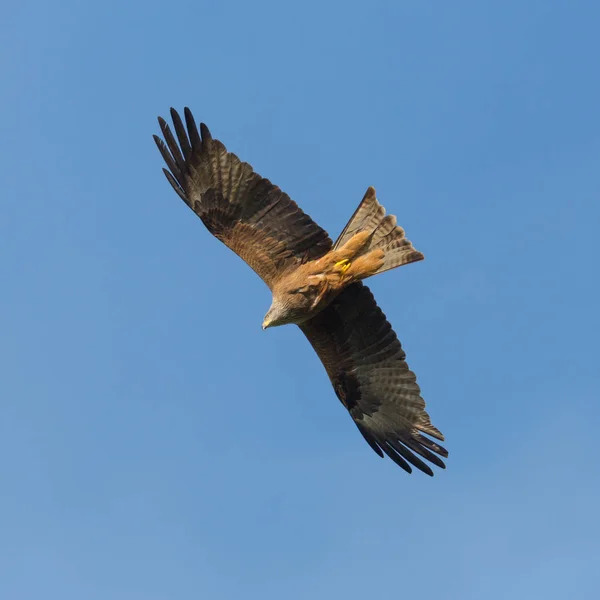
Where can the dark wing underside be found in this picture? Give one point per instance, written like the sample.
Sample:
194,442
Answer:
365,362
248,213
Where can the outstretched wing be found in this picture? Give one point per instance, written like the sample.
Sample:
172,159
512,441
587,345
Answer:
246,212
365,362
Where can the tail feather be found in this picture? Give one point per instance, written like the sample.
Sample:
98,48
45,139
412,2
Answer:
387,225
385,234
366,217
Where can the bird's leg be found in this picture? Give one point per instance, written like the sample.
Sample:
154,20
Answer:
366,265
343,258
323,285
355,244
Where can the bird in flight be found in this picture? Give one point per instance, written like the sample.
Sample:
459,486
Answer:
315,283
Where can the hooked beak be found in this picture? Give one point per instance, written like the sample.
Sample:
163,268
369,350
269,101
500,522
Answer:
271,318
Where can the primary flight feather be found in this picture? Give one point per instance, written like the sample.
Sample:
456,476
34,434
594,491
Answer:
316,284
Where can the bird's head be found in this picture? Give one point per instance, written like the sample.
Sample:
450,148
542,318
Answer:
287,307
276,315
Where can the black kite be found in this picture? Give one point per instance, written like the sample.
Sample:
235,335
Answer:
315,283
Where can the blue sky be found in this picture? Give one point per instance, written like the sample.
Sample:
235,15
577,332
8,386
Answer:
155,443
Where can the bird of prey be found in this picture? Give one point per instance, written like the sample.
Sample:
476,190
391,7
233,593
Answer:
315,283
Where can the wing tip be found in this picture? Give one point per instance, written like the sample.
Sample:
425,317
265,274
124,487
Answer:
157,140
190,123
187,113
205,133
403,452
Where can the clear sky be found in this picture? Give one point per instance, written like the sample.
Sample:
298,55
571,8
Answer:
156,443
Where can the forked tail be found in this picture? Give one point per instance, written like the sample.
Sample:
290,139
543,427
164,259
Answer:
384,234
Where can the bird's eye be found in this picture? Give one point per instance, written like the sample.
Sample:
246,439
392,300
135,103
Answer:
303,290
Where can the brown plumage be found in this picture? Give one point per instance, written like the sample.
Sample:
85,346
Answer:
315,284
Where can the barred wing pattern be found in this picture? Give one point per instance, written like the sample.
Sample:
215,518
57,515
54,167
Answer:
367,368
249,214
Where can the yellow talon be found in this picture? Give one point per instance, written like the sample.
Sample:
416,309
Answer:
343,265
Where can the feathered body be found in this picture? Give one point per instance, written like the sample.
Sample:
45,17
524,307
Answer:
372,246
315,284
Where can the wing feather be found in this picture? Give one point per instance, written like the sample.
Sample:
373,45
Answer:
367,368
182,137
253,217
